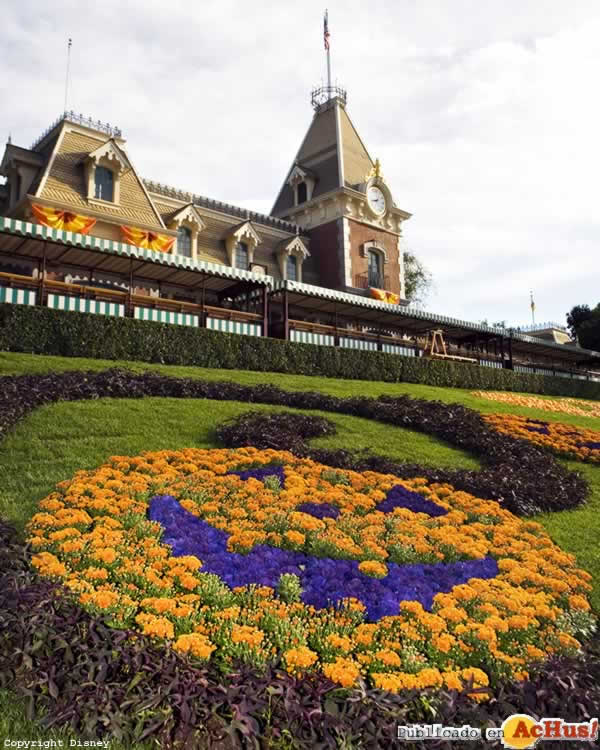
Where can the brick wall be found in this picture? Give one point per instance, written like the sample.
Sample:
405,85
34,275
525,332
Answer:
361,233
323,267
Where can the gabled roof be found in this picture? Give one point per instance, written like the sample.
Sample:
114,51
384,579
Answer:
332,150
185,213
63,181
17,154
111,151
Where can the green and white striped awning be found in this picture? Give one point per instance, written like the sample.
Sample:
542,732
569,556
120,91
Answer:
79,304
166,316
308,337
24,239
405,351
18,296
351,343
234,326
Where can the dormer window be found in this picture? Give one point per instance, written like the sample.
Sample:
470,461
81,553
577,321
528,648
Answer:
184,242
104,168
302,193
291,254
241,256
188,223
241,243
104,183
302,181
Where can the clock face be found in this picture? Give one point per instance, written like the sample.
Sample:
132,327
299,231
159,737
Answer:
376,199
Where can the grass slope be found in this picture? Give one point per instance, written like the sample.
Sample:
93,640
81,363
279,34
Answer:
57,440
19,364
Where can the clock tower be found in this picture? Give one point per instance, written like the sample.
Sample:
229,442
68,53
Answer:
338,195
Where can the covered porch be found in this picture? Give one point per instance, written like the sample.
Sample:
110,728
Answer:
316,315
67,271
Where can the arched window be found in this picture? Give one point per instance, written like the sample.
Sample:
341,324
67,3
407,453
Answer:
104,182
375,275
184,242
241,256
292,268
302,192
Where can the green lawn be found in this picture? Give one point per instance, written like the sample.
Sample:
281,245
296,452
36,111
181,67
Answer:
57,440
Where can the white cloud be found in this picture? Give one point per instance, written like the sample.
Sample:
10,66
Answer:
484,115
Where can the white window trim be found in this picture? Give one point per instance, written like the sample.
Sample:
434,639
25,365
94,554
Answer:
298,249
297,177
244,233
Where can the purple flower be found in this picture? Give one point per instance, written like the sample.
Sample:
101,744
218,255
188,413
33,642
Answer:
325,581
400,497
593,445
541,430
319,510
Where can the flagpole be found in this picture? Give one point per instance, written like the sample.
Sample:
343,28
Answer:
532,307
67,76
328,62
326,39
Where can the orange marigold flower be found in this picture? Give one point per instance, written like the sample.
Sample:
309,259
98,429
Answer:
343,671
196,644
247,634
373,568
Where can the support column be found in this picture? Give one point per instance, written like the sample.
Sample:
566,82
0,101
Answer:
286,316
129,305
336,335
202,321
265,305
510,353
42,290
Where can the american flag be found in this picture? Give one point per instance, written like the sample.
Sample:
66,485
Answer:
326,32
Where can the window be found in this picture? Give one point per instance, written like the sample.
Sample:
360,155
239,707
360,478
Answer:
184,242
241,256
302,193
292,268
375,279
104,182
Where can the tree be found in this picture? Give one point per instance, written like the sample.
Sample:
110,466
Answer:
576,317
584,324
418,280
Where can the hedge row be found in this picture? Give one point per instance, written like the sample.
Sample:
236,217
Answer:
45,331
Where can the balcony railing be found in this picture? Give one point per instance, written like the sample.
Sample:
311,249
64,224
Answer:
370,279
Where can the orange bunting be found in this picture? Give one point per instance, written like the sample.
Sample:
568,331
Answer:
64,220
148,240
383,296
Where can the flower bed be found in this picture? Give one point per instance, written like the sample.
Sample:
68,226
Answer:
563,439
410,585
575,406
94,678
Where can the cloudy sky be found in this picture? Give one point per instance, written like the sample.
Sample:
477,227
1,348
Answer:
485,115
